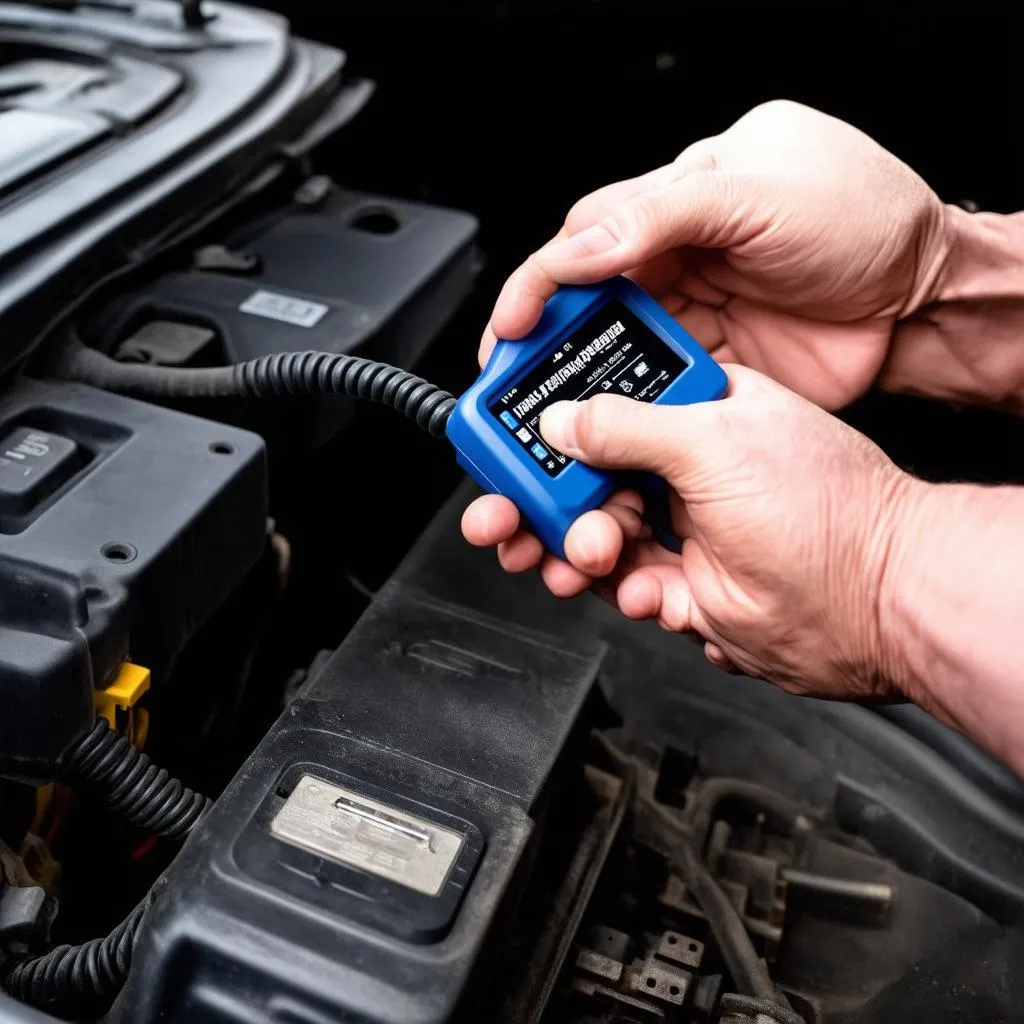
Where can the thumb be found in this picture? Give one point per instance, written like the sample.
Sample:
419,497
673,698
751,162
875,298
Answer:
705,208
609,432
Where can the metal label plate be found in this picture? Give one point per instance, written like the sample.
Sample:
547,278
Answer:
274,306
351,829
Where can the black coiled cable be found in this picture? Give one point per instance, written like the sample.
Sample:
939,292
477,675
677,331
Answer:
324,373
133,786
77,978
81,978
276,376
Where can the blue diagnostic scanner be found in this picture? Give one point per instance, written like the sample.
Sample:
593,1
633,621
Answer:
607,338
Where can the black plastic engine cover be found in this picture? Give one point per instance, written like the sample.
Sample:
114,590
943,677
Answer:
124,545
356,273
430,710
358,270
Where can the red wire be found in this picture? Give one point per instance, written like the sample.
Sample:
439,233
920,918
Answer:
145,848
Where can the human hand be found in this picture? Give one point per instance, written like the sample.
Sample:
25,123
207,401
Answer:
786,515
791,243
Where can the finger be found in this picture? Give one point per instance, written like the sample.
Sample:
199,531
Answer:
594,542
612,432
522,299
658,592
630,518
487,342
595,205
489,521
640,554
704,322
719,658
705,208
563,579
627,499
521,552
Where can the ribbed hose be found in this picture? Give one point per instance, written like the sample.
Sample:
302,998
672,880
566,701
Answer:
323,373
79,979
281,375
132,785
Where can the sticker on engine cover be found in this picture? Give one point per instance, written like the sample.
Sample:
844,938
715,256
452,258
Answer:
351,829
288,310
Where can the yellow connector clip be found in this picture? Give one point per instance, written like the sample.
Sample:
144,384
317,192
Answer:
117,702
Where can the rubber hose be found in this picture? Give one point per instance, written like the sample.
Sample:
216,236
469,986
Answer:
280,375
133,786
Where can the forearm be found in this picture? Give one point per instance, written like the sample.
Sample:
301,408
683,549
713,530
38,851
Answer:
964,339
952,610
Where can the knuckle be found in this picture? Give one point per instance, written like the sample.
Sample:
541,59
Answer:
578,216
650,212
635,220
701,155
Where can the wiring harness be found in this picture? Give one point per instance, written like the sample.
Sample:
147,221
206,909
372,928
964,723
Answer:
73,979
132,785
77,979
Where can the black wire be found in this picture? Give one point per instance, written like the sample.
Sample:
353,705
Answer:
325,373
132,785
79,979
283,374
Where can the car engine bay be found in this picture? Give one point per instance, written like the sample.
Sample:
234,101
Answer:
276,745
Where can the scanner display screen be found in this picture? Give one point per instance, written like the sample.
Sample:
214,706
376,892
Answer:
612,352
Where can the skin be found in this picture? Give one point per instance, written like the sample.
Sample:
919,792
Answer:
813,265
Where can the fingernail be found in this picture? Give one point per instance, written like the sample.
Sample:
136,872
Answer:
590,242
558,426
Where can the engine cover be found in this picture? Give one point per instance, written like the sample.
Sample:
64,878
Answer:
123,526
358,864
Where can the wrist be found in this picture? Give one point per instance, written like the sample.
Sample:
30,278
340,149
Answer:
949,610
981,260
901,597
887,662
958,338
